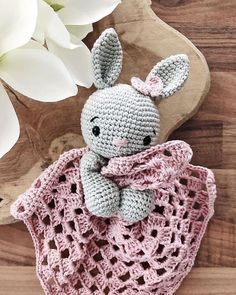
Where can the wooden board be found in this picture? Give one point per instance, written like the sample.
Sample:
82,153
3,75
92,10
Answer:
48,129
211,26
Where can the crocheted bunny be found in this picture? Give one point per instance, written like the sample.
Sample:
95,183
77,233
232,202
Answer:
122,120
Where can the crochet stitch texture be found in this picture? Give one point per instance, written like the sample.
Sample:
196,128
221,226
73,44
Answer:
124,215
79,253
121,120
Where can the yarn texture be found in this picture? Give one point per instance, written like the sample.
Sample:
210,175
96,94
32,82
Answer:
107,59
173,72
152,87
79,253
124,215
121,120
119,112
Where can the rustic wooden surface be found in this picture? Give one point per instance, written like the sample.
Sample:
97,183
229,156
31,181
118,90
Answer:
49,129
211,25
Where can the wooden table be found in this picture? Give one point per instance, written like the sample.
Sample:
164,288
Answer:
211,25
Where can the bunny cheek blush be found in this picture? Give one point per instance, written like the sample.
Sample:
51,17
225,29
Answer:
124,215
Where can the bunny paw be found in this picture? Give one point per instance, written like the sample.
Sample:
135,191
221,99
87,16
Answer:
135,205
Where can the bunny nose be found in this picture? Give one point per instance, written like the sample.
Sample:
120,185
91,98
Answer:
120,142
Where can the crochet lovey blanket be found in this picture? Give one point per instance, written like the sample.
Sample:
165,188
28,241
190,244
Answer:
79,253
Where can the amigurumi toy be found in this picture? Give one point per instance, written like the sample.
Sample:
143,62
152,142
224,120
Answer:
125,215
120,120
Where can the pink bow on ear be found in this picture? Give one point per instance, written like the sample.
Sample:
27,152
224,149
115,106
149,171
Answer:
153,85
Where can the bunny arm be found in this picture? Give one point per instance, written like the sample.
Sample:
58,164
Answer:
135,205
102,196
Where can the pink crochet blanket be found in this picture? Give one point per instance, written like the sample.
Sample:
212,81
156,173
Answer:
78,253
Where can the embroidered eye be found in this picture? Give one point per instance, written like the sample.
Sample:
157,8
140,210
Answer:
147,140
96,131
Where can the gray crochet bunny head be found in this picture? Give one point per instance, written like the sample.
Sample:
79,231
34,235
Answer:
121,120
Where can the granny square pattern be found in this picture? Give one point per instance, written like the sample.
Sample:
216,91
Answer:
80,253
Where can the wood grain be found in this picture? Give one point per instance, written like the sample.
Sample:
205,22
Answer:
211,25
47,129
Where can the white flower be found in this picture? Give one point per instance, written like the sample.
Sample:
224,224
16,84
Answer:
81,12
62,24
29,68
78,15
26,66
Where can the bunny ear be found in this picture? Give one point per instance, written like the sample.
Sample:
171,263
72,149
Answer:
106,59
173,72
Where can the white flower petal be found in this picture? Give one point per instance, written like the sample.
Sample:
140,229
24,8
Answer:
37,74
33,45
17,23
38,34
77,61
82,12
9,124
80,32
52,27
